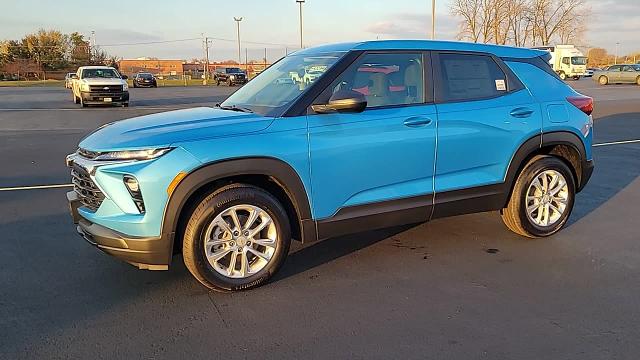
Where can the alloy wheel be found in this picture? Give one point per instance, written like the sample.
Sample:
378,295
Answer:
240,241
547,198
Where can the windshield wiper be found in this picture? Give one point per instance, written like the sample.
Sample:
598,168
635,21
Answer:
235,108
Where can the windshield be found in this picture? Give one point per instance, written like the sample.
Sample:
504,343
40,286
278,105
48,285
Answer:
145,76
233,70
279,85
579,60
99,73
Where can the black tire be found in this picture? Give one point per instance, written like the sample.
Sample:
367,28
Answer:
514,214
229,83
562,75
134,85
212,205
638,80
126,104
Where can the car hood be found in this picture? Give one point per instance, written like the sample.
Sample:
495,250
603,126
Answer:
103,81
164,129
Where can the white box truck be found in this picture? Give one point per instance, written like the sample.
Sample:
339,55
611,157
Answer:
566,60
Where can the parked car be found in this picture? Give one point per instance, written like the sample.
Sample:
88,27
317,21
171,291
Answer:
589,72
144,80
68,80
230,76
355,150
618,74
100,85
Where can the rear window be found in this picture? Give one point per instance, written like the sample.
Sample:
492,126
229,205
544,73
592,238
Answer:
467,77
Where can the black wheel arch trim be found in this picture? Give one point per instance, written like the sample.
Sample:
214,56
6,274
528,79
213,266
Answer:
277,170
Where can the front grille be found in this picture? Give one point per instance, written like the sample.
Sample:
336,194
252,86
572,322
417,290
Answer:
89,194
105,88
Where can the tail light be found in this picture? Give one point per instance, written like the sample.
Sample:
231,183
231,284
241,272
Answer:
583,103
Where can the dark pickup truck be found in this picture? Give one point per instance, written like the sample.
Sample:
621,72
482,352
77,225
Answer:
229,76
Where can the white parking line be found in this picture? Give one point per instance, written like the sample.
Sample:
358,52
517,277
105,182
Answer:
617,143
72,109
35,187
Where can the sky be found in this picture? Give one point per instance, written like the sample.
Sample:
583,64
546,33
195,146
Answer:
269,24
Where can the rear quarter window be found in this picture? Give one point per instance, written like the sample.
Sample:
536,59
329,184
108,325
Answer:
466,77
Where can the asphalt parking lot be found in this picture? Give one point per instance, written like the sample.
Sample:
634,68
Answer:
462,287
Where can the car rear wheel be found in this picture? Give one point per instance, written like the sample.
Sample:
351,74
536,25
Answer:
638,80
542,198
603,80
236,238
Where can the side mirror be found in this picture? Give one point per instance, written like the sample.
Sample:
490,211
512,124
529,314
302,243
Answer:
74,76
124,77
343,101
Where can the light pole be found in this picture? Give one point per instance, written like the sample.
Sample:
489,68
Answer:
238,19
300,2
615,60
93,40
433,19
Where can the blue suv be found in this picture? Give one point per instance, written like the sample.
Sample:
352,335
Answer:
389,133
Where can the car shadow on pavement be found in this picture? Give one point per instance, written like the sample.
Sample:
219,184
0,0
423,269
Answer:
616,166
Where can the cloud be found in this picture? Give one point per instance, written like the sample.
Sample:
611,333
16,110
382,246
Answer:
411,26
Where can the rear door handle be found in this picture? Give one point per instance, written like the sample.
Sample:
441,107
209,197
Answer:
521,112
417,121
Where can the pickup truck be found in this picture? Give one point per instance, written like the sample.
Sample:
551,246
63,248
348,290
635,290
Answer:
229,76
99,85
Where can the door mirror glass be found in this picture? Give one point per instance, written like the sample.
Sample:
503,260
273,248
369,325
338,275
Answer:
74,76
343,101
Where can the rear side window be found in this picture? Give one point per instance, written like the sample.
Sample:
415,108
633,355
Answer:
466,77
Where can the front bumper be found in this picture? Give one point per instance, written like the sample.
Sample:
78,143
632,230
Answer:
94,97
149,253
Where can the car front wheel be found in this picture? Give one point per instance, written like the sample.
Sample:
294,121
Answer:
542,198
602,80
236,238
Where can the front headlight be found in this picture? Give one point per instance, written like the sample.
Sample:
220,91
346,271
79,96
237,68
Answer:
146,154
125,87
84,87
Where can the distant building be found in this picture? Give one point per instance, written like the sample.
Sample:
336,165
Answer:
153,66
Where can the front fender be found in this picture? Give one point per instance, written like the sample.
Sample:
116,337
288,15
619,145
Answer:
279,171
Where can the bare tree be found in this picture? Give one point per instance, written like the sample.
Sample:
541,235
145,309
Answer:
521,22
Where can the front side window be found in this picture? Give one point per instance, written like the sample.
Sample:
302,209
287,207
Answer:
614,68
470,77
389,79
276,88
565,60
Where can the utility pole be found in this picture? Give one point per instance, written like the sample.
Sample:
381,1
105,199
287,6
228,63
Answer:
246,61
300,2
93,45
205,68
238,19
433,19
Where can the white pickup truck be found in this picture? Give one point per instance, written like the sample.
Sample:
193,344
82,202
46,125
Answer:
99,85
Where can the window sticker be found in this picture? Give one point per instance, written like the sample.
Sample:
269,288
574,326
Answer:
500,85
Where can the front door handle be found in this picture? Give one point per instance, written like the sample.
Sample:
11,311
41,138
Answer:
417,121
521,112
